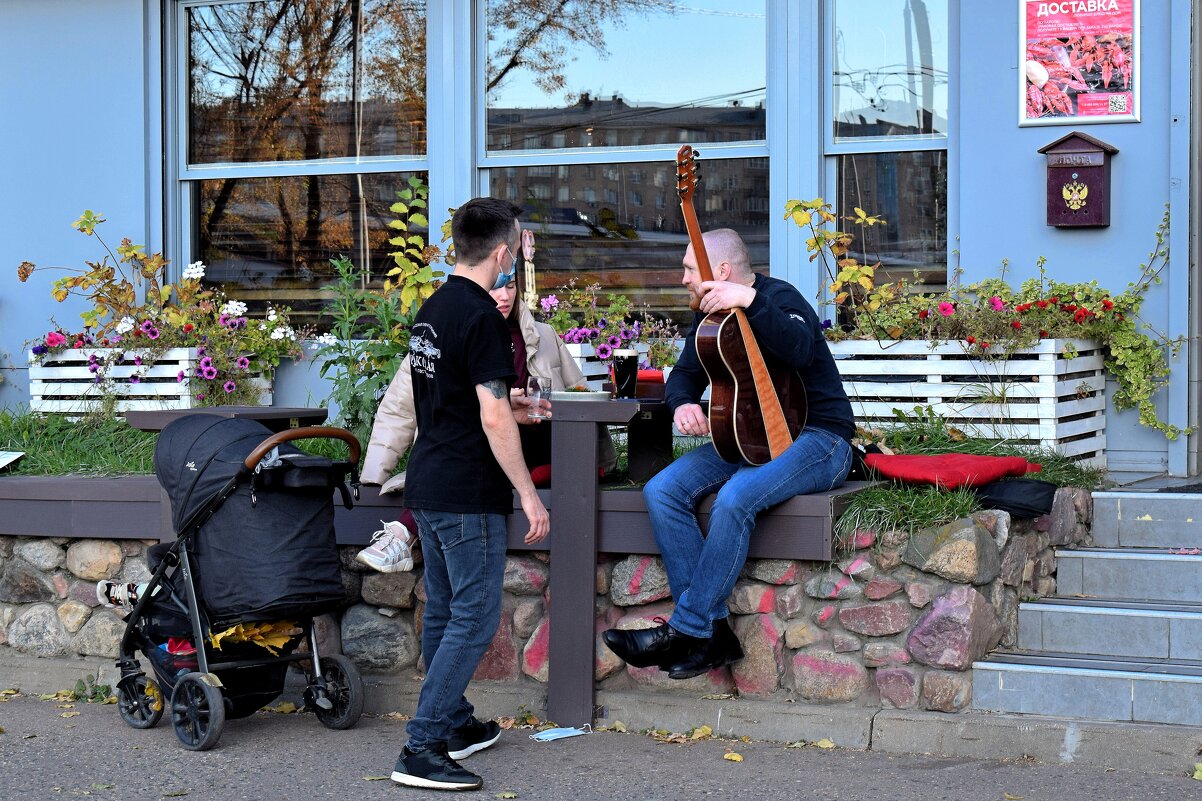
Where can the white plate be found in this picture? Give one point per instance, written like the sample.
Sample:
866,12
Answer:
578,396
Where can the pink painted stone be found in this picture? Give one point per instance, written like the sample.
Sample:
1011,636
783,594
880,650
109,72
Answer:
876,620
534,655
716,681
898,686
777,571
758,673
825,676
61,586
752,598
638,580
500,661
830,586
525,575
790,601
859,568
862,539
824,615
881,588
959,629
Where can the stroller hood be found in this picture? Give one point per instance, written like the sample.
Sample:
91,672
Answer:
197,455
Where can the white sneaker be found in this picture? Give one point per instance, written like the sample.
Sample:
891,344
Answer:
389,550
118,595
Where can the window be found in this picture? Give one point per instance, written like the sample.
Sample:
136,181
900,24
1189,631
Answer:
545,61
298,129
887,131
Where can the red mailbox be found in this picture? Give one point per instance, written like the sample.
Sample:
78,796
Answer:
1078,181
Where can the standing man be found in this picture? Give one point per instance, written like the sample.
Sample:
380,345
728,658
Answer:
702,569
461,472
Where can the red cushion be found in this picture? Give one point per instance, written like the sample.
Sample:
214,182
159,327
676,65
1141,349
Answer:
949,470
541,476
651,376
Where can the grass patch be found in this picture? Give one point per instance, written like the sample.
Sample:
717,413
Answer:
55,446
896,506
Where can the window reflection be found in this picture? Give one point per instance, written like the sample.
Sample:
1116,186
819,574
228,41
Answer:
578,73
272,238
890,68
305,79
632,240
909,190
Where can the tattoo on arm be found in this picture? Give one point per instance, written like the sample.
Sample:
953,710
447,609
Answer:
497,387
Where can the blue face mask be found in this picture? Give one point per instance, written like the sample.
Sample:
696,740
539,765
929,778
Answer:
503,279
558,734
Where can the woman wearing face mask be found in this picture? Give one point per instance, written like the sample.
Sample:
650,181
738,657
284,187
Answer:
537,351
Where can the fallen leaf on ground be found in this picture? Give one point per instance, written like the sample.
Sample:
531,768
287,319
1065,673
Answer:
69,715
505,722
395,716
10,691
282,708
732,756
1,730
1009,797
176,793
376,778
824,743
28,736
1198,771
718,697
99,786
618,726
507,794
702,732
798,744
64,706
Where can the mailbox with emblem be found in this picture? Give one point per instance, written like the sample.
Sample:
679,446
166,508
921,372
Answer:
1078,181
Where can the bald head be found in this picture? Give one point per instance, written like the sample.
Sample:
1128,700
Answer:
725,245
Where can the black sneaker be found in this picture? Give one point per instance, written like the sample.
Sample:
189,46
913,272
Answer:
432,769
476,735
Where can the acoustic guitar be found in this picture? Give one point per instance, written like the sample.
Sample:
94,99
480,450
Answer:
755,413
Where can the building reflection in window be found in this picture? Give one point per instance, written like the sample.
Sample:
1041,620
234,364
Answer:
633,242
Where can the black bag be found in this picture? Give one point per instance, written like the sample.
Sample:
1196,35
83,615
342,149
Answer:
1021,497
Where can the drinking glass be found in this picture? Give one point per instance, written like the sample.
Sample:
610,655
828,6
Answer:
534,391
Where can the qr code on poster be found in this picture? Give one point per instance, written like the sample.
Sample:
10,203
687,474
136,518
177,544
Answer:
1118,104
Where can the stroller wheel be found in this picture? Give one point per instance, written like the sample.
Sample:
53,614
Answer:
139,701
198,711
344,689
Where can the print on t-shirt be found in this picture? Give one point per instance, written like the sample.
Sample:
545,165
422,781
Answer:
422,353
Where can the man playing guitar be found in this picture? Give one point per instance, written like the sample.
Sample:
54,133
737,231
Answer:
702,569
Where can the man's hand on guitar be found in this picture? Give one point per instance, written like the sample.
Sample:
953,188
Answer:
724,295
690,419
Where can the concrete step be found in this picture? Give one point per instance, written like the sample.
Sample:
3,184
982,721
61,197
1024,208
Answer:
1106,627
1129,573
1092,687
1147,520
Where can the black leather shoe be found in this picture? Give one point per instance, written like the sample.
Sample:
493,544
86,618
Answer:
721,649
432,769
659,646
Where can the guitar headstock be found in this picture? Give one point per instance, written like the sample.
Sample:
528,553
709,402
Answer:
687,175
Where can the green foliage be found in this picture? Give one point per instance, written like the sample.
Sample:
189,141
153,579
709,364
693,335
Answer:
56,446
889,507
413,276
86,689
992,320
364,348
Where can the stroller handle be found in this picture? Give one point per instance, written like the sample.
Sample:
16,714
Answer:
309,432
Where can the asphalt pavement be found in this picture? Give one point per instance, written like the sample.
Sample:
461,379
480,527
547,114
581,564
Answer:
48,753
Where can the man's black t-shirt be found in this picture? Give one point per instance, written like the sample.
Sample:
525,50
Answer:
458,341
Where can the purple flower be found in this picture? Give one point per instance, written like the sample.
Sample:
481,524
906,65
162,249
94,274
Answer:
577,336
138,360
548,303
153,333
205,363
826,324
604,351
239,323
201,396
147,325
224,320
38,350
209,373
243,363
601,324
626,334
644,365
229,386
180,376
93,367
637,329
614,341
200,351
135,379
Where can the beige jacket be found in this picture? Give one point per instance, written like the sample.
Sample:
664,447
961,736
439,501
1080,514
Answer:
395,425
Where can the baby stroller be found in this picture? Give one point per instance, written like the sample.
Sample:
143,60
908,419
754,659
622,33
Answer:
255,546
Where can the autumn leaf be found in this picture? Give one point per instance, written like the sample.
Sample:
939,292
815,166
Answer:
1009,797
99,786
798,744
507,794
1,730
282,708
702,732
1198,771
176,793
732,756
824,743
10,691
376,778
69,715
618,726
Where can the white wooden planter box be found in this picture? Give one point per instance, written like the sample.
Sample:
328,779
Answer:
595,371
1035,396
64,384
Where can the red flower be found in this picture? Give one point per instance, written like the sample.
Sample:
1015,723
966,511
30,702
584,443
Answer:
1022,307
1069,307
984,345
1043,304
188,327
1055,300
1015,324
1043,334
970,339
1119,317
1107,304
923,314
78,343
1081,316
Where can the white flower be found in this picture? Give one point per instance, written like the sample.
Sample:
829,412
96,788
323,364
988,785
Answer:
270,314
277,334
125,326
262,326
328,339
234,308
195,270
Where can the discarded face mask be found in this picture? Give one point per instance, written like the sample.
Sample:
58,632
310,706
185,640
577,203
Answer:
548,735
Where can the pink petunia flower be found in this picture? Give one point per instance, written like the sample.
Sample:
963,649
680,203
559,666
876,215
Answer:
604,351
996,303
946,309
243,363
209,373
54,339
180,376
229,386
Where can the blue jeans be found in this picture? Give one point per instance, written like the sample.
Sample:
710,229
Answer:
464,558
702,569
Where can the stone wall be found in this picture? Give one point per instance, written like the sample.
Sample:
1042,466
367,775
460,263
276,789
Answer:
897,621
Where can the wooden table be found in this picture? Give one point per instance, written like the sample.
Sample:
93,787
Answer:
276,418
